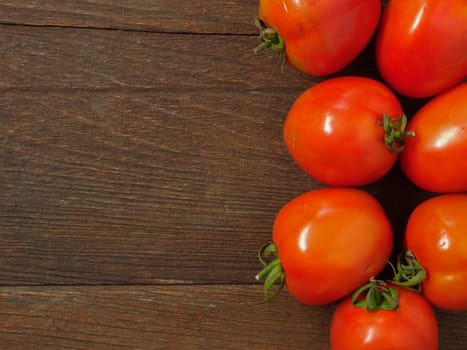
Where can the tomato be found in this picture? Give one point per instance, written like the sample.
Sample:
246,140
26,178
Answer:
328,241
412,326
333,131
421,46
435,159
320,37
436,234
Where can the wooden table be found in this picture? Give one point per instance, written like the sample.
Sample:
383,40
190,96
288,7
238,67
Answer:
142,165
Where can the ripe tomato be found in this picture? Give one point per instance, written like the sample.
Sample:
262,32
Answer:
334,133
412,326
320,37
421,47
436,234
329,242
435,159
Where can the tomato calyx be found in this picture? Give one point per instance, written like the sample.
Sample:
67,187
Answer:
408,272
394,132
379,296
272,271
270,39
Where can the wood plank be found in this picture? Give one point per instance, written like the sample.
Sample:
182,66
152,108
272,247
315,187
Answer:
172,317
105,187
178,16
66,58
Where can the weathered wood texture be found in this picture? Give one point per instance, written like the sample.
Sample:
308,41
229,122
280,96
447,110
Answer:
178,16
141,151
171,317
138,168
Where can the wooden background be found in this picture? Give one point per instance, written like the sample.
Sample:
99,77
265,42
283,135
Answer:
142,166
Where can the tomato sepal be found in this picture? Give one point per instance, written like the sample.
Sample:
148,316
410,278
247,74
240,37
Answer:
379,296
408,273
394,132
272,271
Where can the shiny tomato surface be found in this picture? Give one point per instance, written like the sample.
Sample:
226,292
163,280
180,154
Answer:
334,132
330,241
435,159
412,326
421,47
321,37
436,234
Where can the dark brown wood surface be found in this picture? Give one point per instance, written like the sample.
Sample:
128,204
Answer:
141,167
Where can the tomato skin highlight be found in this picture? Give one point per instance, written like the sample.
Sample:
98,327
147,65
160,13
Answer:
436,234
421,46
412,326
321,37
435,159
330,241
333,131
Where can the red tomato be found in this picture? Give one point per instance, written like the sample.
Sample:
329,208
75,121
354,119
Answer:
412,326
436,234
334,133
329,242
421,47
436,158
320,37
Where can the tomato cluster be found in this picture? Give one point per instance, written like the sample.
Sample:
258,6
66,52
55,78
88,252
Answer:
329,244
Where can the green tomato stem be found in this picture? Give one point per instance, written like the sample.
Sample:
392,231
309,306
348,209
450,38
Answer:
270,39
394,132
378,296
409,272
272,272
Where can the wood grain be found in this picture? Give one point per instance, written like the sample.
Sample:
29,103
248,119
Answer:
171,317
130,168
176,16
128,187
66,58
